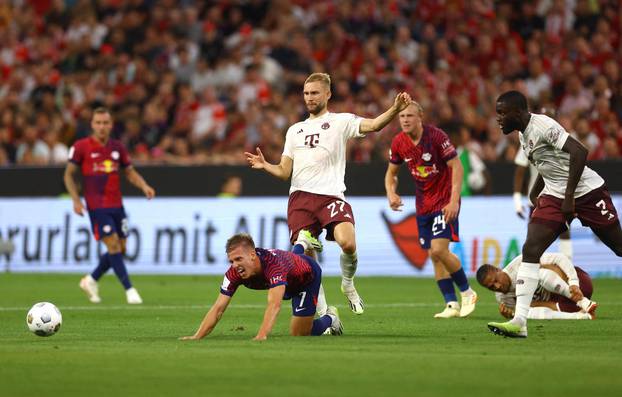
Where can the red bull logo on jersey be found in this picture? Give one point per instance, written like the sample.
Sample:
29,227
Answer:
106,166
424,171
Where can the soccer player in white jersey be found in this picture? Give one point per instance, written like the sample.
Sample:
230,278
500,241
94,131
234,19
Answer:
522,167
565,189
315,158
564,291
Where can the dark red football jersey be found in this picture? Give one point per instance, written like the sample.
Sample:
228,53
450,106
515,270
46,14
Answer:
278,267
427,163
100,166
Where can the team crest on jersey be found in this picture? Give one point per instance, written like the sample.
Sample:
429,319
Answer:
325,126
530,144
426,157
114,155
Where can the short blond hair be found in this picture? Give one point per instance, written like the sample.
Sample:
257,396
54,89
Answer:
321,77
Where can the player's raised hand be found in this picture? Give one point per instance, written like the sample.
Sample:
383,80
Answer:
402,100
395,202
506,311
256,161
78,207
451,212
148,192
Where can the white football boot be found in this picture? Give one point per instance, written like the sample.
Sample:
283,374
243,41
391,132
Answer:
133,298
90,287
451,310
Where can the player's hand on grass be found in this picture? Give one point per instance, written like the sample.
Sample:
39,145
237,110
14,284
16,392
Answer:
256,161
506,311
191,337
575,293
395,202
78,207
402,100
451,212
148,192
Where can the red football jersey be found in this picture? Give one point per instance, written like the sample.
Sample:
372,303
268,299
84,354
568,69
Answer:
100,165
427,163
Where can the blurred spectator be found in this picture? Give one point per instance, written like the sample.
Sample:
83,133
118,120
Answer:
231,187
198,82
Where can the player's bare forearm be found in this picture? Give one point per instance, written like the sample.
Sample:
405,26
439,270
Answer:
402,100
277,170
70,182
457,175
275,297
212,318
519,178
137,180
578,158
390,185
536,189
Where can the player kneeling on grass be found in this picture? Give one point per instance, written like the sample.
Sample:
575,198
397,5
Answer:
563,292
286,275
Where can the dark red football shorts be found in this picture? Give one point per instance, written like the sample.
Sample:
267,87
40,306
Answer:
594,209
315,212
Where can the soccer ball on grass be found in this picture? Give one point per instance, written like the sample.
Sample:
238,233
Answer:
44,319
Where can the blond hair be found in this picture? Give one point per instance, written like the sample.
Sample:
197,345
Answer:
321,77
236,240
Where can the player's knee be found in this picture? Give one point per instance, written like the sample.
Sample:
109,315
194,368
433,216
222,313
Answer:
532,252
438,254
114,247
348,247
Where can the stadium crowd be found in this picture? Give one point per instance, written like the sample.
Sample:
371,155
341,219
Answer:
193,82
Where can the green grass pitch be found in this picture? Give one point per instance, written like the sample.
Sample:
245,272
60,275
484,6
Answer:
395,349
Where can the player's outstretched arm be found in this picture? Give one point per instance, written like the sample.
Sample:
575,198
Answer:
283,170
275,297
401,102
452,208
211,318
390,186
72,188
137,180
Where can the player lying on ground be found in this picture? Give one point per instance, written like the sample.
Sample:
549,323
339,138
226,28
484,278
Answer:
564,291
286,275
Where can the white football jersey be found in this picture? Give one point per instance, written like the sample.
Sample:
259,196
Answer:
522,160
318,150
542,142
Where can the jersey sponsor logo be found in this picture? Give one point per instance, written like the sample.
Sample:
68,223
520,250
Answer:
94,155
312,140
408,159
424,171
325,126
106,166
426,157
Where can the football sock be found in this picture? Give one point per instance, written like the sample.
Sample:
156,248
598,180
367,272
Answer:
321,306
116,261
551,282
460,279
321,324
102,267
447,289
526,284
298,249
584,304
348,268
545,313
565,247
